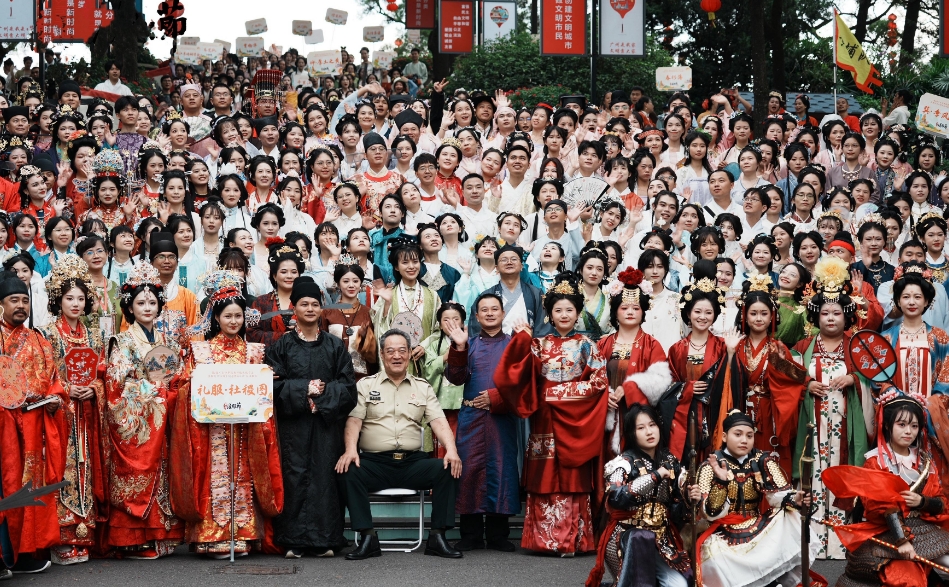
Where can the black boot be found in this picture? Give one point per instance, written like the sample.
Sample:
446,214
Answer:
438,546
367,548
472,532
498,528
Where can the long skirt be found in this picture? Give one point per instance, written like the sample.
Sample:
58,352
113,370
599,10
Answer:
559,523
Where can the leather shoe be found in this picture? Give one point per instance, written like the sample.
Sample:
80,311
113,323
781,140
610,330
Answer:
438,546
466,544
501,545
369,547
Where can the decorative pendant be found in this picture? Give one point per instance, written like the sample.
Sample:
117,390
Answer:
349,331
82,530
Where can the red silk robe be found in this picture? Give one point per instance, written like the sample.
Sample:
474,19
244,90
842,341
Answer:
42,435
560,384
874,318
681,371
201,461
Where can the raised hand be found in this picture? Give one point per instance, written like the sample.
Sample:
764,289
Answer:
466,264
448,119
380,290
458,333
720,470
59,204
65,174
214,150
439,86
732,338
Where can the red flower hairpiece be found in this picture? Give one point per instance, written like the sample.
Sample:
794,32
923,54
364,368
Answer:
274,240
630,277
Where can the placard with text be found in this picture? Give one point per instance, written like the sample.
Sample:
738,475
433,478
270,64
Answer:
225,391
419,14
72,21
455,26
563,27
17,21
622,28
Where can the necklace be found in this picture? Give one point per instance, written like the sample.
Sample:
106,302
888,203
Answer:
877,274
350,318
837,354
636,339
913,334
695,347
415,302
850,175
76,337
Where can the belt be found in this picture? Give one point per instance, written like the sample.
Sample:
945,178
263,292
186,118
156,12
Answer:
397,455
470,404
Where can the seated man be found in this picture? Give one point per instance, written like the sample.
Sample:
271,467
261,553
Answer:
386,427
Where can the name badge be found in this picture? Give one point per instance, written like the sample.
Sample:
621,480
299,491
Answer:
375,396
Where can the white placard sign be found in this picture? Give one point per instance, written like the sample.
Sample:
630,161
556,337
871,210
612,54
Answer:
324,62
221,391
302,27
210,50
256,26
189,40
383,59
314,38
249,46
188,55
622,28
336,16
413,35
932,115
225,44
499,20
671,79
373,34
17,21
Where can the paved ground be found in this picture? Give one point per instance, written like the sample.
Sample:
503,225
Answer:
481,568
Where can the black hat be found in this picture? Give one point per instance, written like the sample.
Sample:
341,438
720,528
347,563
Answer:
736,418
619,97
398,99
260,123
476,97
10,285
68,86
162,242
12,111
508,247
372,139
305,287
556,202
44,163
573,99
409,116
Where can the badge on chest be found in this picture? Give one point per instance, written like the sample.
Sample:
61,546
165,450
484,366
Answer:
375,396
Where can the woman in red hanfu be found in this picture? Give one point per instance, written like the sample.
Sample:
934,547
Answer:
559,382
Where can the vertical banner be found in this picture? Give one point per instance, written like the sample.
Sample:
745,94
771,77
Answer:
498,19
419,14
943,37
622,28
563,27
16,20
456,26
72,21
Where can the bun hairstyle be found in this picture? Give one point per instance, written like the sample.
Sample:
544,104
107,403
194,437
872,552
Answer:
766,240
757,288
594,250
926,222
703,289
703,234
280,251
913,273
566,287
831,285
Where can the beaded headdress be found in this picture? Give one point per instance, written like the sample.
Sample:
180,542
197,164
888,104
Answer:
9,143
108,163
65,112
831,281
172,114
347,259
142,274
706,286
873,217
631,279
564,287
222,285
905,269
68,270
452,142
28,171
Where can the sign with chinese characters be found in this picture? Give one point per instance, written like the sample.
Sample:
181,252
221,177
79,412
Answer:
314,38
256,26
622,28
499,19
302,27
336,16
249,46
413,35
72,21
672,79
563,27
210,50
189,40
456,26
383,59
221,391
373,34
16,23
419,14
324,62
188,55
932,115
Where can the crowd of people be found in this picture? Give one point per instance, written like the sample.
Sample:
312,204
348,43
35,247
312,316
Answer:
626,317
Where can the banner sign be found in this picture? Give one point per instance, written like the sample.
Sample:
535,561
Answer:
563,28
302,27
324,62
188,55
336,16
249,46
72,21
932,115
189,40
499,19
256,26
456,26
622,28
673,79
226,45
223,391
373,34
383,59
419,14
210,50
17,21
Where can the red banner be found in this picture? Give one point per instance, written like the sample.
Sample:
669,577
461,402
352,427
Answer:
419,14
72,21
456,26
563,27
943,37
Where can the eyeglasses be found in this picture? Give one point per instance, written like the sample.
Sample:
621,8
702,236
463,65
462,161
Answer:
428,167
396,352
752,199
94,252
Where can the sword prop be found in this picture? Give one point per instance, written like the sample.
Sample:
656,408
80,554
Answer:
29,496
916,559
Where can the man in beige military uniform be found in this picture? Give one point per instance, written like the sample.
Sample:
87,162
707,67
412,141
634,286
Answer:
384,441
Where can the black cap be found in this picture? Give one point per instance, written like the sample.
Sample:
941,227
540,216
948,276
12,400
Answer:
68,86
408,116
260,123
578,99
12,111
10,285
372,139
161,242
619,97
305,287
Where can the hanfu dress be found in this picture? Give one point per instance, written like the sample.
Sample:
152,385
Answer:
560,384
354,328
840,436
412,309
688,366
141,521
82,504
594,319
274,320
663,319
202,462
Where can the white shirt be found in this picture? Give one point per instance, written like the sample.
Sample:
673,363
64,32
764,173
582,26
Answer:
413,219
516,199
483,221
748,233
117,88
899,115
712,210
346,223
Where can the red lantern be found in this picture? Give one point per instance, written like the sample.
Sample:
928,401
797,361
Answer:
711,7
398,42
392,7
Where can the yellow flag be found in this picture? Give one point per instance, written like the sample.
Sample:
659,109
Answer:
849,55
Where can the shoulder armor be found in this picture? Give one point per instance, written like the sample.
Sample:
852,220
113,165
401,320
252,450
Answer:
619,462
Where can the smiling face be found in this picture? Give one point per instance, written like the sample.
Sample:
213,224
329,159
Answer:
789,278
758,318
702,316
563,316
724,275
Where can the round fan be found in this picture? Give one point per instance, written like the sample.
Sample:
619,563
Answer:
584,191
411,324
872,356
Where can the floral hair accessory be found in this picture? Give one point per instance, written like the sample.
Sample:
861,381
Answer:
226,169
142,274
29,171
565,287
452,142
760,282
69,270
631,279
220,285
904,269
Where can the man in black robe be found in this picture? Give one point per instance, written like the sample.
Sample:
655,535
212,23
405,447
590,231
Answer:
314,391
